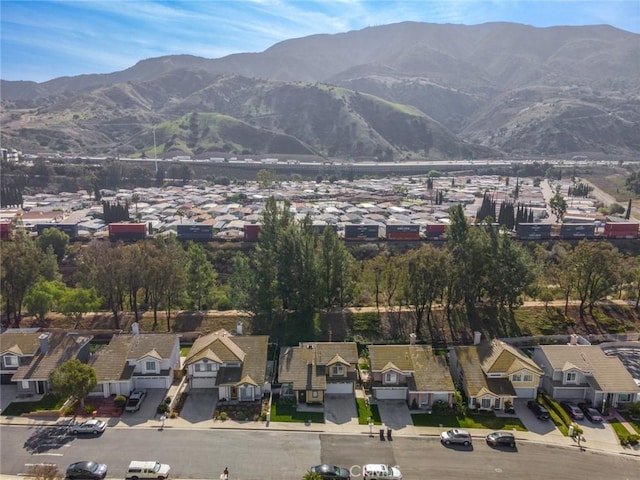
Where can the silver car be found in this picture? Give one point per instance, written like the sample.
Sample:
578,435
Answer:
456,435
90,426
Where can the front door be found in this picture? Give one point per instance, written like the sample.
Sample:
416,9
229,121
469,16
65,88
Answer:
302,396
39,388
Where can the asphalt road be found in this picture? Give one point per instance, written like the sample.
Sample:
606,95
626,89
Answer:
286,456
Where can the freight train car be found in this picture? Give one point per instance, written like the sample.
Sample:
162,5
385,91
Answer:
435,231
251,232
196,232
361,232
403,232
5,230
71,229
621,229
533,231
573,231
127,232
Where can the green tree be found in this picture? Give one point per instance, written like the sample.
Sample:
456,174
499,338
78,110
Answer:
55,238
425,282
595,267
23,263
558,206
311,476
73,379
201,276
266,178
78,301
43,297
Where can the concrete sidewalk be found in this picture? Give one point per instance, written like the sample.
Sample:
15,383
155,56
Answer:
553,437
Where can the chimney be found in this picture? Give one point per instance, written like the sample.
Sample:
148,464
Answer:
412,339
44,342
135,328
476,338
239,328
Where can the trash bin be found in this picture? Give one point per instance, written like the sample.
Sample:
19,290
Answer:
571,430
389,434
382,434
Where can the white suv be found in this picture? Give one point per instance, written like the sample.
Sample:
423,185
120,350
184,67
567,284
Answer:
147,469
377,471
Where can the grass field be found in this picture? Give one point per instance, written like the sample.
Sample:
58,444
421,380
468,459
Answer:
447,420
48,402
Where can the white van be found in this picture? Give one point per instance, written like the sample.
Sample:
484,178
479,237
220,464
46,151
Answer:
378,471
147,469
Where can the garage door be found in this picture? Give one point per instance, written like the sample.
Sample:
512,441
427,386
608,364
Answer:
340,387
203,382
526,392
390,393
151,382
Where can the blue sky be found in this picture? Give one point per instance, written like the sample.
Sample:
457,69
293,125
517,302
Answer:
41,40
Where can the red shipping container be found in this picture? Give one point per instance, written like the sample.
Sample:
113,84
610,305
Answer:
621,230
5,229
403,235
251,232
435,230
138,228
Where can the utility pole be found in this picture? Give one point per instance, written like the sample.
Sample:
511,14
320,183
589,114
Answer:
155,154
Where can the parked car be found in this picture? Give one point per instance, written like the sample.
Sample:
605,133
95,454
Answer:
90,426
572,409
135,400
86,470
147,469
538,410
591,413
329,472
456,435
501,439
378,471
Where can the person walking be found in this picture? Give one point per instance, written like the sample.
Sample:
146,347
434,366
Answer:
225,474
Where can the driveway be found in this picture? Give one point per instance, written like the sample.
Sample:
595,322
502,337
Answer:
394,414
148,409
529,420
340,409
8,394
199,405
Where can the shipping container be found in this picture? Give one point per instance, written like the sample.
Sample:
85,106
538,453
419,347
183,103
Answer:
251,232
195,231
434,231
533,231
71,229
577,230
403,232
621,229
361,232
5,230
127,231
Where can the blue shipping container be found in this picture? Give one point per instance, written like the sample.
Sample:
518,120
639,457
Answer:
195,232
361,232
71,229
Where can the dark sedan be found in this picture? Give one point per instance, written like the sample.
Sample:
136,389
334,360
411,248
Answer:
538,410
86,470
330,472
572,409
591,413
501,439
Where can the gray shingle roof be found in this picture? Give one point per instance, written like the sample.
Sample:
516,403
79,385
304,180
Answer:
111,361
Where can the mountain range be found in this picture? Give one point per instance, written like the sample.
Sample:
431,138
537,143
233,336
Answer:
394,92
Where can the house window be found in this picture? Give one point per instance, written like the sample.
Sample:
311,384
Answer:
485,403
624,397
314,394
572,377
337,370
286,389
390,377
10,361
150,366
24,385
528,377
517,377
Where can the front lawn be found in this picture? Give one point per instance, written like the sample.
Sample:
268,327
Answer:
366,412
450,420
288,413
48,402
